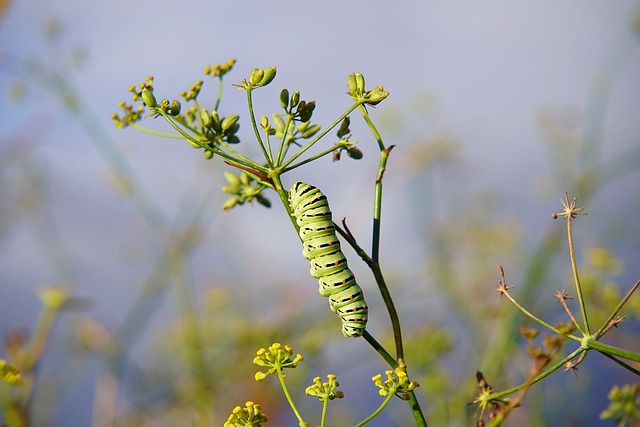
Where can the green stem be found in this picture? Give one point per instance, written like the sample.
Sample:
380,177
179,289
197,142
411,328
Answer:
540,377
417,412
375,132
576,278
323,420
621,363
319,136
617,310
375,245
155,132
283,148
219,94
239,158
377,411
380,349
382,287
252,116
377,204
538,320
314,157
284,198
288,396
591,343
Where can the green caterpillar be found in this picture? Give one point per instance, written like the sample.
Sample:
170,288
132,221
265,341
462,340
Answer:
321,247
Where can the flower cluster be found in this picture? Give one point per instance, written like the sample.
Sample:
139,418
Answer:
219,70
249,416
325,391
9,373
54,298
357,91
275,358
346,144
624,406
244,189
258,78
397,383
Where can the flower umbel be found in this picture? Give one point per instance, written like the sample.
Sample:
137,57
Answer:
249,416
9,373
325,391
569,209
624,404
275,358
397,383
244,189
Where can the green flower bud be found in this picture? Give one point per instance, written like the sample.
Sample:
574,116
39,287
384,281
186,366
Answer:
359,82
284,98
230,203
278,123
305,110
245,179
208,154
174,108
9,373
229,122
351,83
54,298
264,122
230,189
269,75
295,99
232,179
205,117
354,153
312,130
263,200
215,121
148,98
344,127
376,96
256,76
303,126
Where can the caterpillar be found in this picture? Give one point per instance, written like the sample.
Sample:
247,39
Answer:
321,247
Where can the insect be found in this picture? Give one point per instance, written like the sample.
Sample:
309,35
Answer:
321,247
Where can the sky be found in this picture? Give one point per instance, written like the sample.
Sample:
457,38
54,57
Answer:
481,72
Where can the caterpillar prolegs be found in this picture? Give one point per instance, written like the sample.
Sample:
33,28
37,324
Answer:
321,247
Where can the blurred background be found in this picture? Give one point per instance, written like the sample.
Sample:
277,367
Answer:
496,109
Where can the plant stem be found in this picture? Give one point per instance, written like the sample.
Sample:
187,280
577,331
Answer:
537,319
323,420
540,377
314,157
288,396
382,286
375,132
591,343
320,135
376,412
617,309
377,204
417,412
380,349
219,94
576,277
252,116
283,147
